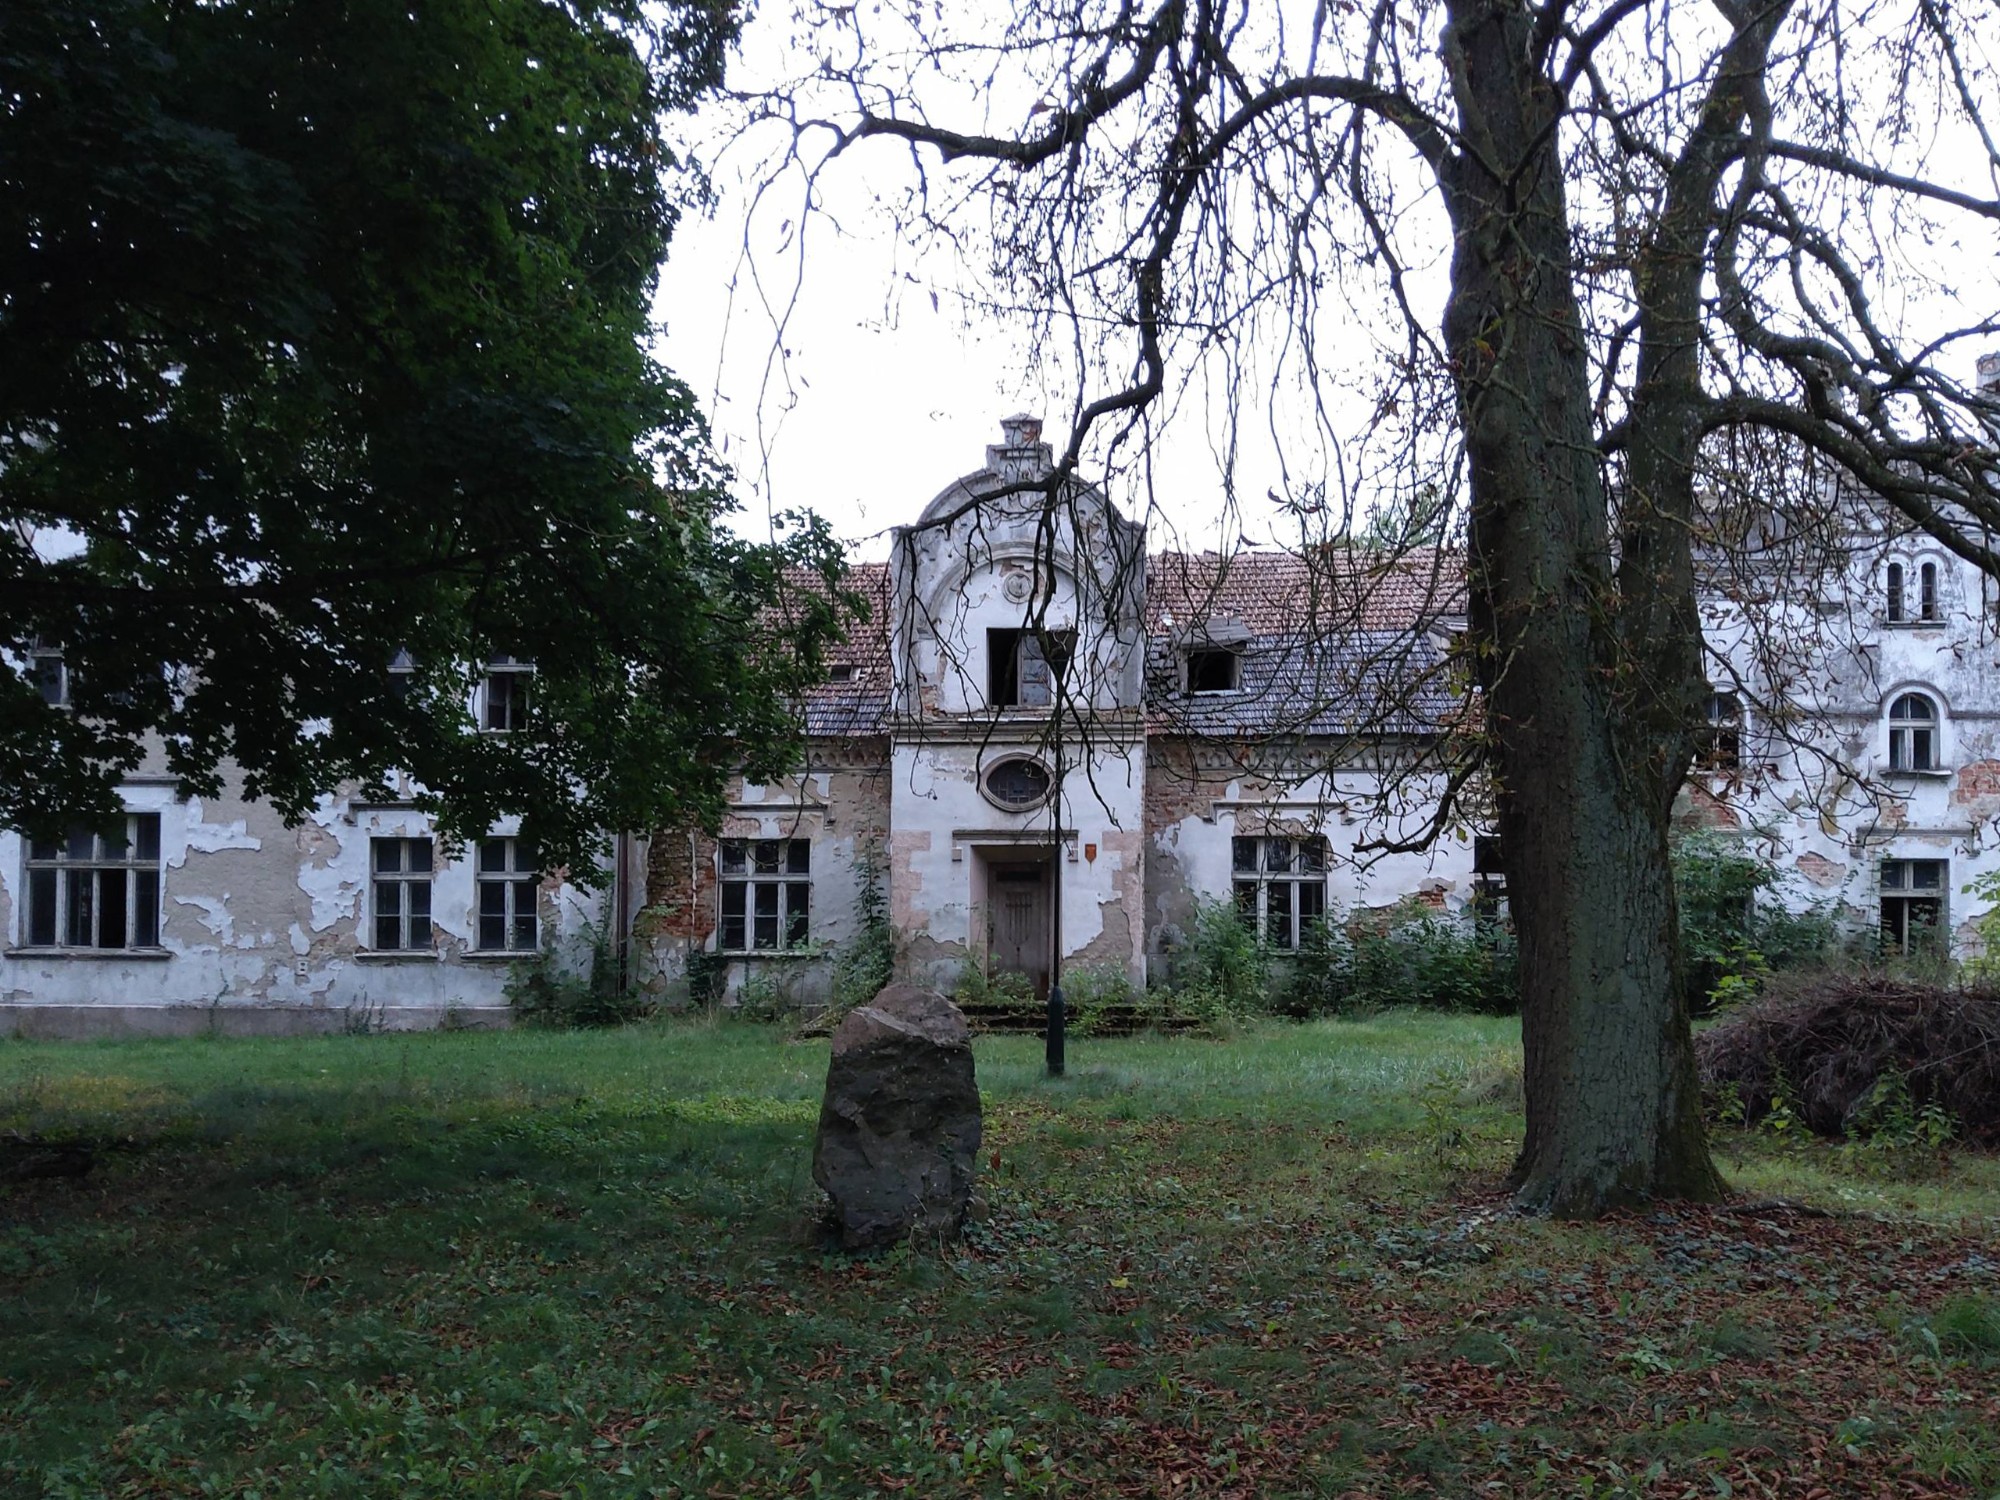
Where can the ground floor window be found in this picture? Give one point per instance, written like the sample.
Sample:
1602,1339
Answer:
96,890
766,895
400,894
507,891
1280,886
1912,904
1489,880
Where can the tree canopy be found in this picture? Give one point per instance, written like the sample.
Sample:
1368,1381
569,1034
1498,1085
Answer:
324,347
1598,273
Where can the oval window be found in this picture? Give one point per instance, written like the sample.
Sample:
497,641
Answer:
1018,784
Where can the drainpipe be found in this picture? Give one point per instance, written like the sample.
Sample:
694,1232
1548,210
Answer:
1057,1019
621,932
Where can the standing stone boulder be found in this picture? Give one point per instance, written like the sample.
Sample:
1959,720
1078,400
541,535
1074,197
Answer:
899,1129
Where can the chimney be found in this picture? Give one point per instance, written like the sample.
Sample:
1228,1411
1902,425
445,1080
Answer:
1023,455
1988,383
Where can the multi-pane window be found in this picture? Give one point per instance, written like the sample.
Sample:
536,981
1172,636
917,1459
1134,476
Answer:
1913,734
1280,886
96,890
506,694
507,884
1720,747
766,894
1912,904
400,894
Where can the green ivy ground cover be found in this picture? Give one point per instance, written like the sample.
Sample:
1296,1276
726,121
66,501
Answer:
544,1264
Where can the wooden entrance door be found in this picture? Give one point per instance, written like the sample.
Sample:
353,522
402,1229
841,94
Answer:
1017,938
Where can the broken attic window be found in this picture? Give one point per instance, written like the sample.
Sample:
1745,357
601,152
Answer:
1023,666
1212,669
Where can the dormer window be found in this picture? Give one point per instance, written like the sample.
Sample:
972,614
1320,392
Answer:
1023,666
1927,592
1892,609
840,671
1913,734
1214,669
505,707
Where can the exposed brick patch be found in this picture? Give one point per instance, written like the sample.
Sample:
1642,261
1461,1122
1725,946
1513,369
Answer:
680,887
1706,810
1820,870
1977,782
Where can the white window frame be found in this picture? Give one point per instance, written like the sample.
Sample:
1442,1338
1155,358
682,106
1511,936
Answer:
504,877
504,695
1904,886
1916,740
67,878
755,874
400,892
1721,747
1274,879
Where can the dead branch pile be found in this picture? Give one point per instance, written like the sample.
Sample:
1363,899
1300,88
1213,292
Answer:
1833,1038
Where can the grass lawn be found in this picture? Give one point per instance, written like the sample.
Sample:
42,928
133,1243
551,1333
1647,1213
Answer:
566,1265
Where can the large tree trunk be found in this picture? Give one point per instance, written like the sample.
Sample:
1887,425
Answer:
1579,713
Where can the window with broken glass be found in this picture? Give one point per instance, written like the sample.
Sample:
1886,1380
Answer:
94,890
1912,905
1719,739
508,885
1023,666
1280,886
766,895
506,694
400,894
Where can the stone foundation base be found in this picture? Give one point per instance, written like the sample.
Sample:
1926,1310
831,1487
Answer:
70,1023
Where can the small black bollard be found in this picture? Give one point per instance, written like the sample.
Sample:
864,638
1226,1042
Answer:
1057,1019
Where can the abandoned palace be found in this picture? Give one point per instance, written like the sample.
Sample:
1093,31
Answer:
1048,743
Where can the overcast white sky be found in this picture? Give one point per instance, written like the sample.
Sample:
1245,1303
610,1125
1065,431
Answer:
884,395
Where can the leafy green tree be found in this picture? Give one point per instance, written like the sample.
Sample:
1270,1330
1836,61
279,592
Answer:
325,328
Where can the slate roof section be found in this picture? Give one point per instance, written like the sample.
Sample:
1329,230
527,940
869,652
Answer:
856,702
1333,644
1371,684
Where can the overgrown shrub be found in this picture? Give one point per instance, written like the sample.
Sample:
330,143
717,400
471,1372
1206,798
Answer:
1225,970
1732,933
1411,955
574,983
1006,991
1096,996
1862,1052
867,962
